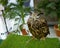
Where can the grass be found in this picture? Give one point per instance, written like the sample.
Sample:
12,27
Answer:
16,41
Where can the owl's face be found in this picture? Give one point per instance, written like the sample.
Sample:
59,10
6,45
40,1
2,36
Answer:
34,15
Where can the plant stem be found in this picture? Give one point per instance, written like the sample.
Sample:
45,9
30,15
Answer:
5,23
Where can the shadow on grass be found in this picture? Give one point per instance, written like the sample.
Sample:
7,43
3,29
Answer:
1,41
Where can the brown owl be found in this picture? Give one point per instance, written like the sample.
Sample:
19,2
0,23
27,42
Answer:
38,26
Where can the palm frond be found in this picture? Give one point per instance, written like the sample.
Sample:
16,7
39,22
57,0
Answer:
4,2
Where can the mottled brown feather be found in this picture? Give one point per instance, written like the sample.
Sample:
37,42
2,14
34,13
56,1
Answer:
38,27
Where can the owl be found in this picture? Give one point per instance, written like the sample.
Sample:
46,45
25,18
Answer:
38,26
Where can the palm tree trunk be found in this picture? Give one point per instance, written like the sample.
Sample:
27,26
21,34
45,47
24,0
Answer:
5,23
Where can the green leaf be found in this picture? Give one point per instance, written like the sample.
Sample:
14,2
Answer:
21,27
17,19
51,5
4,2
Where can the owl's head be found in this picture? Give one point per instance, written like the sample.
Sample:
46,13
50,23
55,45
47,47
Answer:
33,15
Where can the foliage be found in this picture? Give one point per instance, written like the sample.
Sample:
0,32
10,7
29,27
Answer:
8,11
59,26
11,10
22,10
16,41
4,2
50,7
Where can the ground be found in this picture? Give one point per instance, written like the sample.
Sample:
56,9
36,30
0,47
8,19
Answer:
17,41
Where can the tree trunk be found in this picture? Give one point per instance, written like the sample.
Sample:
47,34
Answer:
5,24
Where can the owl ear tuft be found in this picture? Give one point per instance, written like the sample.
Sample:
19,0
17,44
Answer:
40,14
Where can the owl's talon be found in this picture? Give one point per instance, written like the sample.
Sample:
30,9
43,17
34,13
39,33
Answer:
43,38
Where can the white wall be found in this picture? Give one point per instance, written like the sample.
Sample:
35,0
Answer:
2,28
31,3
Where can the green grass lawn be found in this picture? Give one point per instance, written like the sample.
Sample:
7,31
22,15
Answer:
16,41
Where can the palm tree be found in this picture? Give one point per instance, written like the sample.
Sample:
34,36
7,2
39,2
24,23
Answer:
4,4
12,10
